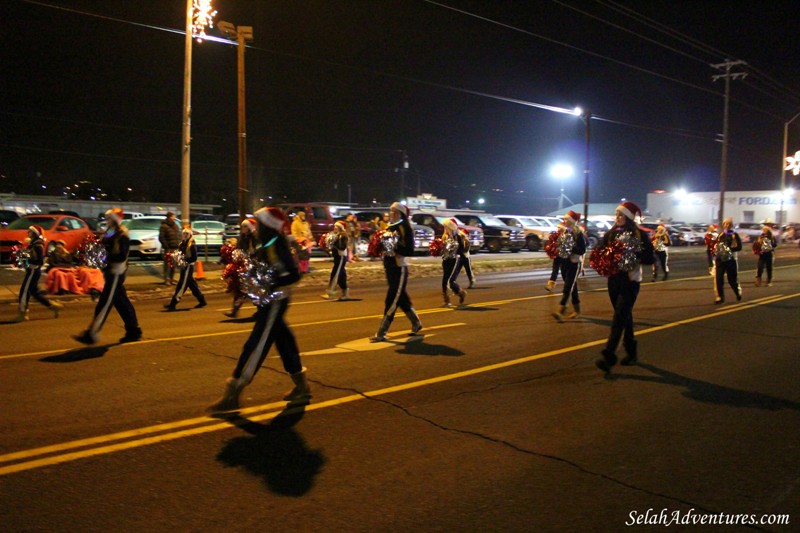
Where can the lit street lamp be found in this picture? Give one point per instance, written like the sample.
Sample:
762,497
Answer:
561,171
586,116
786,164
242,34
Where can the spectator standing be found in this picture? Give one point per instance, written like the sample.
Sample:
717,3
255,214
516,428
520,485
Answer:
304,240
169,235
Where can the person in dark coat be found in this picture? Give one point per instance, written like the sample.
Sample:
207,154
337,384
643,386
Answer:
726,261
33,271
764,248
169,236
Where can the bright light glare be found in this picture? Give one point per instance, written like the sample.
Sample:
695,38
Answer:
203,16
680,193
577,111
561,170
481,201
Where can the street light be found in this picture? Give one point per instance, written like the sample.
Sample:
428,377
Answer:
561,171
784,166
241,34
199,14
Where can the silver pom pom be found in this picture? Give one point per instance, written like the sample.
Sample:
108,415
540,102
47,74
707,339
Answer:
178,259
631,250
450,249
565,242
94,255
389,241
330,238
257,282
766,245
723,252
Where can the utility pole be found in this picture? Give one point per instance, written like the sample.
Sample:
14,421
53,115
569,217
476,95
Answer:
723,175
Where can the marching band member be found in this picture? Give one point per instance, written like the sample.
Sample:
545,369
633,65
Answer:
247,243
117,243
661,244
270,326
455,245
338,248
396,268
570,261
188,248
624,284
726,261
33,271
710,239
764,247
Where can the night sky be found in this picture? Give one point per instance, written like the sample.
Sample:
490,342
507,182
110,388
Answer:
337,89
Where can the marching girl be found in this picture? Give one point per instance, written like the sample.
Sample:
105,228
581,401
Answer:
247,243
710,240
570,260
764,247
33,271
455,245
624,284
396,269
661,244
466,260
188,248
726,261
117,243
338,246
270,326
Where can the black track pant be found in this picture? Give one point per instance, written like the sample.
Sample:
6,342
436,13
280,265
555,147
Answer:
187,281
30,289
269,328
569,272
450,269
765,263
623,293
339,271
731,269
114,294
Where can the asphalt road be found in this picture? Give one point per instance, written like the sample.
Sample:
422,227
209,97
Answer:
495,420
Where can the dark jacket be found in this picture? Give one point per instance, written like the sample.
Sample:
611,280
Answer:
189,250
37,252
276,252
169,235
405,237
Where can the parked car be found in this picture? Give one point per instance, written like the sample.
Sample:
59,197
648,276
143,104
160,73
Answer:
143,232
423,235
7,217
72,230
232,225
320,216
435,222
675,236
749,231
537,231
496,235
690,235
208,234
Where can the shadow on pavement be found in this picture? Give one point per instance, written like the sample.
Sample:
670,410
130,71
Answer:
78,354
275,451
468,307
420,347
706,392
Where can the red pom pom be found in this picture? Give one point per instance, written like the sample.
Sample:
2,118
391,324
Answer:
551,247
710,240
605,260
322,243
375,247
436,246
226,254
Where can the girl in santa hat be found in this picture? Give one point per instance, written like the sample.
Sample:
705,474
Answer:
188,248
117,244
661,244
455,245
270,326
710,239
339,250
572,247
33,271
763,247
247,244
624,283
395,266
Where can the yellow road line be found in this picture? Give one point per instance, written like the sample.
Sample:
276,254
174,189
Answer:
275,408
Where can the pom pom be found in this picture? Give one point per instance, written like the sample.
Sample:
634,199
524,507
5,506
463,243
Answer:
92,253
232,270
762,246
622,254
20,256
176,259
551,246
435,247
226,253
710,239
722,251
658,244
257,281
326,241
382,243
450,249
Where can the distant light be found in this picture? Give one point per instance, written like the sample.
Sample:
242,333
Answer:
44,186
403,202
481,201
561,170
130,190
680,193
578,111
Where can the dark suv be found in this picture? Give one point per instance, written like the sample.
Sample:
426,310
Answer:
434,221
496,235
423,235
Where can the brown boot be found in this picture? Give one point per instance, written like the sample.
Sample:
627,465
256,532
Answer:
446,299
301,390
462,296
560,314
230,398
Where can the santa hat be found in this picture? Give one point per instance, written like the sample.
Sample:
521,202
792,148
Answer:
712,227
250,222
186,231
115,214
272,217
573,216
38,230
400,208
450,224
630,210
